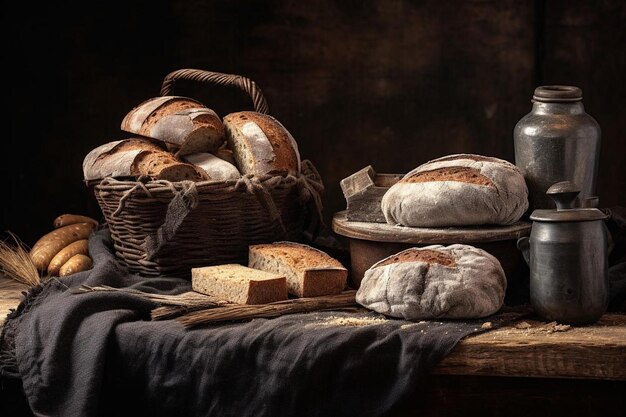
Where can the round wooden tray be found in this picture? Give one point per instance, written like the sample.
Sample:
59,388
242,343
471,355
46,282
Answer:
383,232
371,242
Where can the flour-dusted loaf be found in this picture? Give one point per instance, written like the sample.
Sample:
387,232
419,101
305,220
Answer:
455,282
239,284
261,145
216,169
458,190
309,271
187,125
137,157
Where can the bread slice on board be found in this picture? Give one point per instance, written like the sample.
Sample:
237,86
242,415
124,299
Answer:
239,284
261,145
309,271
189,126
136,157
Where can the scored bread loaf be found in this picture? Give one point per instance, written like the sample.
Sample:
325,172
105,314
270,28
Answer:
456,282
239,284
137,157
189,126
261,145
216,169
458,190
309,271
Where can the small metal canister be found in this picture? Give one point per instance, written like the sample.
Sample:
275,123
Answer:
567,252
557,141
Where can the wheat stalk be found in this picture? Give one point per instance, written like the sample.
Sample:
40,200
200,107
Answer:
198,309
16,263
187,299
230,312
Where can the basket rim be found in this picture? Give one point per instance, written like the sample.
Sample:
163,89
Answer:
121,183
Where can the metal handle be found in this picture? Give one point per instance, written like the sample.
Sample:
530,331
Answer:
243,83
563,193
523,244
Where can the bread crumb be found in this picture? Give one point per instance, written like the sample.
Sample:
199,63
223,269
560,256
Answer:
406,326
552,327
350,321
486,325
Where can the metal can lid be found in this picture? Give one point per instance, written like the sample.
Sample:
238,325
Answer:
557,94
568,215
564,194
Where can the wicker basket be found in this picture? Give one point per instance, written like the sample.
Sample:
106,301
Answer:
161,227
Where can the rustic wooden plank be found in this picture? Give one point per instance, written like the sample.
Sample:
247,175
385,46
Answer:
536,349
462,396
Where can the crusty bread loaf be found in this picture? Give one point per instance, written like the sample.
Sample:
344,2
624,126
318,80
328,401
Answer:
261,144
216,169
239,284
458,190
456,282
134,158
187,124
309,271
226,154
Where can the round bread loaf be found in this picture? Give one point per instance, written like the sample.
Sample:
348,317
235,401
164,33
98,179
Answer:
216,169
455,282
136,157
458,190
185,124
261,145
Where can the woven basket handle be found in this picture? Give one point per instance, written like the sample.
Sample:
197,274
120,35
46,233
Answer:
243,83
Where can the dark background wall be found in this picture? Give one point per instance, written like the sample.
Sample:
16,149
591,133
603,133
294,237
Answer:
388,83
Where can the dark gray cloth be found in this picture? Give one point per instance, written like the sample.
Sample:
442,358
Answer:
98,354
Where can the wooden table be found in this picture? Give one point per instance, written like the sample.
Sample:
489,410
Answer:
526,368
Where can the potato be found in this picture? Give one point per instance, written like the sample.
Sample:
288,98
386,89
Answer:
49,245
76,263
80,246
67,219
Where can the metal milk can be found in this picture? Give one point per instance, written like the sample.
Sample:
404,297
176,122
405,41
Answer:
557,141
567,252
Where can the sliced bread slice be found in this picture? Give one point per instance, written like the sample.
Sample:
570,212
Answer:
239,284
309,271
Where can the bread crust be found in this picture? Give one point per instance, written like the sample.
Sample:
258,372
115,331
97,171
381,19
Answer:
180,121
458,190
134,158
216,169
433,282
310,272
261,145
